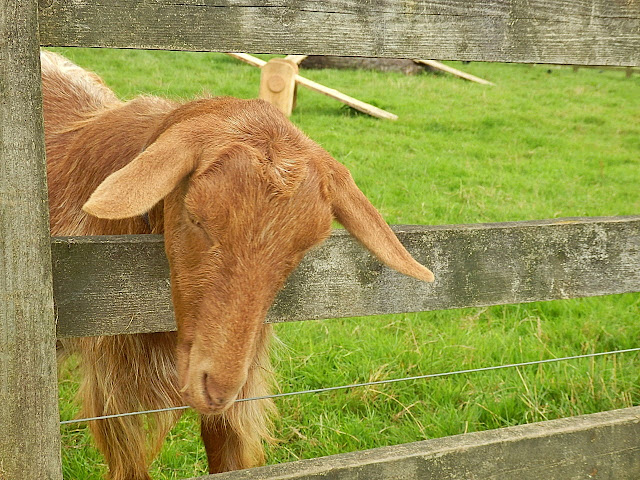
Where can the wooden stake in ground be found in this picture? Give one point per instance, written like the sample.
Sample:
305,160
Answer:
311,85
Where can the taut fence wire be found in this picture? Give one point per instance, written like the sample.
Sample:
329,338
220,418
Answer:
367,384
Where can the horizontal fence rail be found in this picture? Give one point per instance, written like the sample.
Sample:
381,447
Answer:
601,445
593,32
113,285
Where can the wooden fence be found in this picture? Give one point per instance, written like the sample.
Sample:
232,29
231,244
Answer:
477,265
540,260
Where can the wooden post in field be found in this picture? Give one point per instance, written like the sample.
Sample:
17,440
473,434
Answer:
29,419
316,87
278,84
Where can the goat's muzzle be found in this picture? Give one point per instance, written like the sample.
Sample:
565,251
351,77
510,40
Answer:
213,373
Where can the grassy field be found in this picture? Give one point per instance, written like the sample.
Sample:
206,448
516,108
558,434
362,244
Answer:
545,142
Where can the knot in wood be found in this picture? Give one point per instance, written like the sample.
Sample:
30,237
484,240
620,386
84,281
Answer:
276,83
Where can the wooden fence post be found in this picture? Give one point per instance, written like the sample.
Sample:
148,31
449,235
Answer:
29,419
278,84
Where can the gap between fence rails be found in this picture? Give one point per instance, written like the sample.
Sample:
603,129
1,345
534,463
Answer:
366,384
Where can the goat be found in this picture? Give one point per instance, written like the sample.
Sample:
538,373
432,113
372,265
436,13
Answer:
240,195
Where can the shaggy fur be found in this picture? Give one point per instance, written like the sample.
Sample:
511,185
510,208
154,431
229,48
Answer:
240,196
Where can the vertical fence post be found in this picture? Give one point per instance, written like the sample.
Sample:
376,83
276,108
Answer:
29,420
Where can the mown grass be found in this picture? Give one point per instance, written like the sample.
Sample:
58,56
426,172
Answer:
545,142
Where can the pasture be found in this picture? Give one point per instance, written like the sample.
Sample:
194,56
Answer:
546,142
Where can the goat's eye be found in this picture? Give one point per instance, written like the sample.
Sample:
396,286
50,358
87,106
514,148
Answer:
194,220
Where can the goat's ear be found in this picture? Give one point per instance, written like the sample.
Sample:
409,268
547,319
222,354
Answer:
137,187
354,211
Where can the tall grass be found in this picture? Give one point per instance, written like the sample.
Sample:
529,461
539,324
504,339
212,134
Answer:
545,142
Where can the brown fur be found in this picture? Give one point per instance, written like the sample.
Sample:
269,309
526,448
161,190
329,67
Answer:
240,195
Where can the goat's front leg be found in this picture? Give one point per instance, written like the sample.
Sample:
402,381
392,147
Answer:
234,439
226,449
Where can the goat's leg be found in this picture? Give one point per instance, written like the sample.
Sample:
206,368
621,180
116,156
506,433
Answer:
225,448
234,440
124,374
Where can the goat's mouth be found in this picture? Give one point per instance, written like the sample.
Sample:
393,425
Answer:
214,362
216,402
211,387
207,399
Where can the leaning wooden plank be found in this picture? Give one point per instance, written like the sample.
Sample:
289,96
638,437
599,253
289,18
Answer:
109,285
30,434
454,71
600,445
297,59
246,58
346,99
594,32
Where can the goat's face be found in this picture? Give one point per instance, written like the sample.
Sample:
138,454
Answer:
234,231
246,195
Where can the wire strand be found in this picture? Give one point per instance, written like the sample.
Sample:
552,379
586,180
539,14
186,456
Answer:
367,384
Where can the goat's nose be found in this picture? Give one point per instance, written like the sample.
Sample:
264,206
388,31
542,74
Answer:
218,402
216,399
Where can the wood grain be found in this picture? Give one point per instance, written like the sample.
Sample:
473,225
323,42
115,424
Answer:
29,430
109,285
580,32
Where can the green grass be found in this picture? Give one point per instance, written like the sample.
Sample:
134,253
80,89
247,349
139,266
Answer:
545,142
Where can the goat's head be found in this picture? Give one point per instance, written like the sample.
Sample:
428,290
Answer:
246,195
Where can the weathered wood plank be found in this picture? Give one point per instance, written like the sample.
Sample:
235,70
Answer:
108,285
602,445
30,435
585,32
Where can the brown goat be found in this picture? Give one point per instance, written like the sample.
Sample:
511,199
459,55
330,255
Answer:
240,195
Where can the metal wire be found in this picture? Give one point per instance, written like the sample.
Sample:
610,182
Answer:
367,384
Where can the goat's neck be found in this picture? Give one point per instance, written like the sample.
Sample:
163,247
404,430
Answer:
82,156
